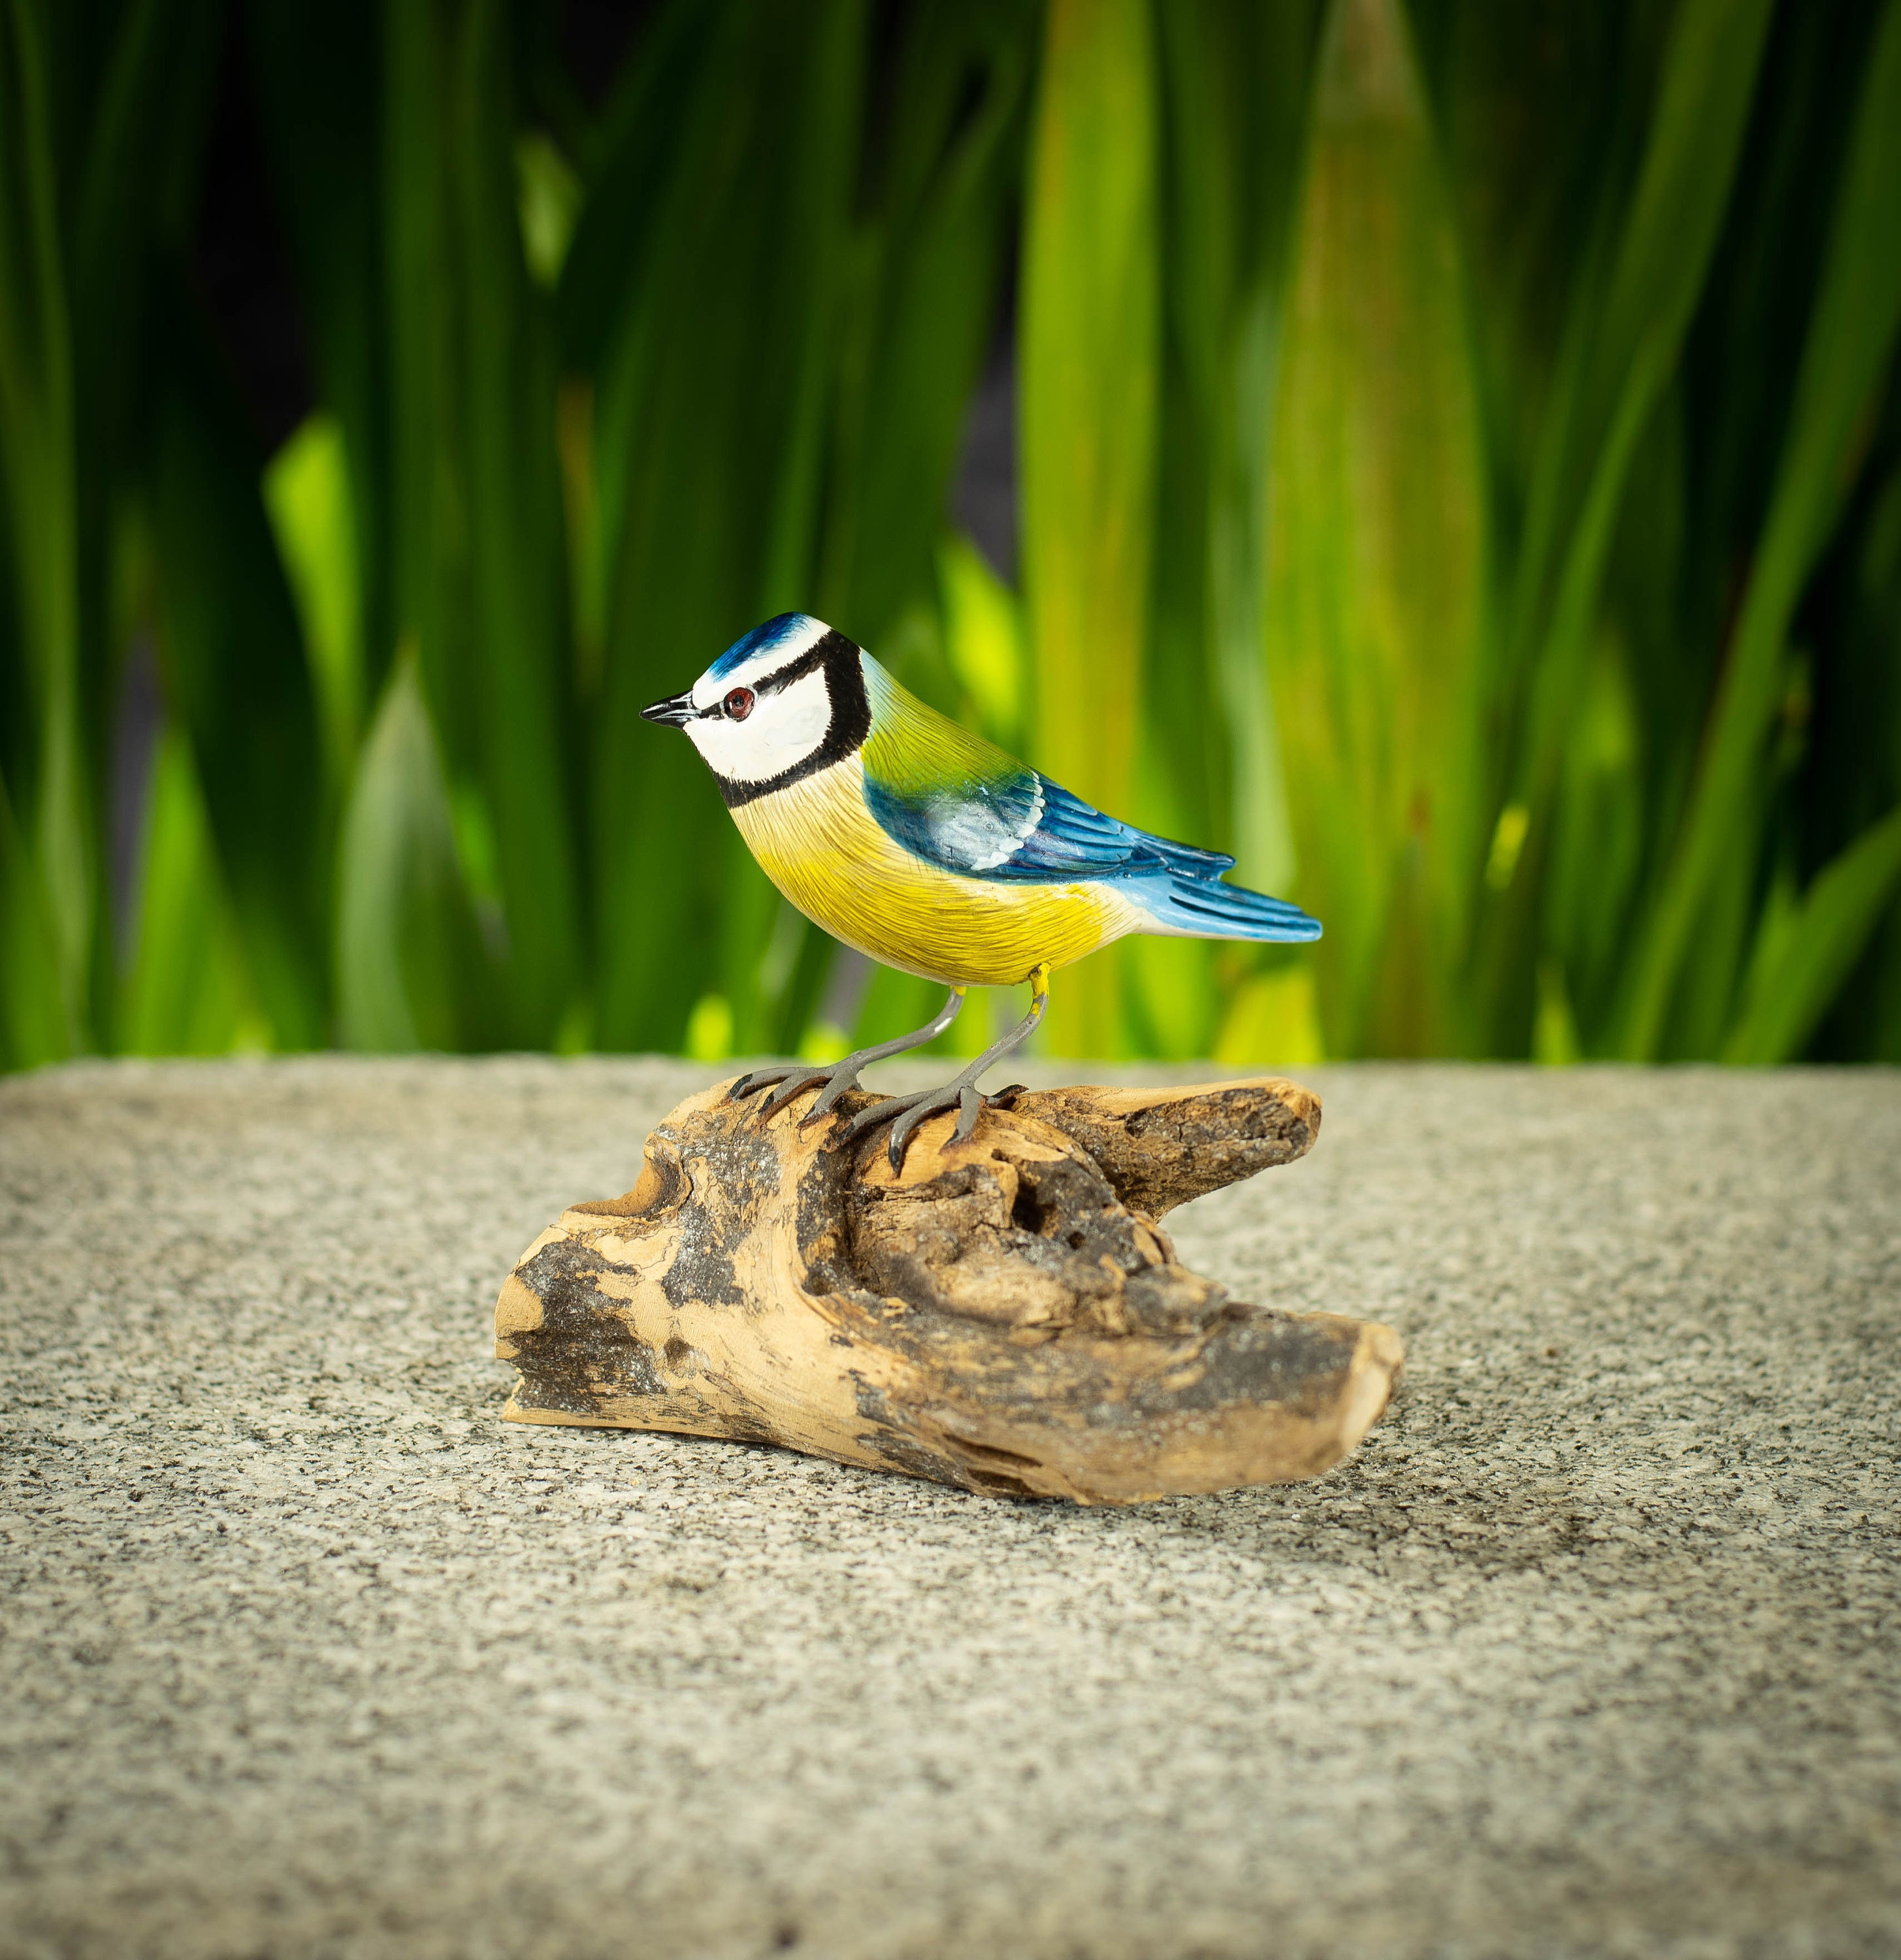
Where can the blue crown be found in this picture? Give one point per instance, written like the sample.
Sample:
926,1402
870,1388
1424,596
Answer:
760,640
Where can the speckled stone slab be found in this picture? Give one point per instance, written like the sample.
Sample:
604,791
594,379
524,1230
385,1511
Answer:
1590,1650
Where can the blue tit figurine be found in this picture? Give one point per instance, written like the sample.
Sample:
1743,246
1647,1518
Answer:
930,849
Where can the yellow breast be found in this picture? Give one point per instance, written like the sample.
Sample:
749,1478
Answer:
822,847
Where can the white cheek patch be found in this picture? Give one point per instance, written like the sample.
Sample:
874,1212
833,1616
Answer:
783,729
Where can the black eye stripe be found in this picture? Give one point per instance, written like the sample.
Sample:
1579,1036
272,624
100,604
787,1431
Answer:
814,657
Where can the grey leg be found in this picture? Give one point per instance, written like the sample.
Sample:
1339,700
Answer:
905,1112
838,1075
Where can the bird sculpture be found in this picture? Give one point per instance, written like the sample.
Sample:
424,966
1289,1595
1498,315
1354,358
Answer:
930,849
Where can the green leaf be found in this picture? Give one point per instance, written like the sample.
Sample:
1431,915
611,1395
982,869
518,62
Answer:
319,73
923,270
1377,554
1597,836
550,197
39,495
1624,346
188,991
652,116
1088,349
707,421
447,395
1851,335
1805,949
1170,1004
34,1024
1538,132
982,639
238,679
1642,268
306,492
1238,79
520,675
412,971
1522,684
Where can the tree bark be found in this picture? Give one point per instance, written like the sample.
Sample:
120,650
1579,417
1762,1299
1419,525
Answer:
1005,1314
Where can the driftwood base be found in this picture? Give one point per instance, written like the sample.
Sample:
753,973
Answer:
1005,1314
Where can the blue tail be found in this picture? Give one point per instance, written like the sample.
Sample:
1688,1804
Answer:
1191,907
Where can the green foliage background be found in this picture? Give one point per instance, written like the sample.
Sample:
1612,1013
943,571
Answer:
1459,471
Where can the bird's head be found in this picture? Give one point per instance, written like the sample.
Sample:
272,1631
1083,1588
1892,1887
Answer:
784,701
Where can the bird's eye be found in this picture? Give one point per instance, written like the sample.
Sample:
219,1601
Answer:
739,704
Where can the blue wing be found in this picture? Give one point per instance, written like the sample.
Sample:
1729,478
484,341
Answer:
1025,829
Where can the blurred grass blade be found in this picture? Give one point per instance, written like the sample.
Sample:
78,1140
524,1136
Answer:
823,164
1623,348
1261,836
1238,79
306,492
518,669
138,186
318,74
437,354
1631,305
418,285
648,118
1596,841
237,677
188,991
38,481
1272,1018
411,966
136,166
1376,570
1089,346
549,197
1851,337
1508,638
761,946
983,639
924,271
1803,956
921,270
33,1025
705,439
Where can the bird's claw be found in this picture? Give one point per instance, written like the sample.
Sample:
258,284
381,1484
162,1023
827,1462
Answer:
794,1080
970,1106
758,1078
792,1086
904,1113
828,1097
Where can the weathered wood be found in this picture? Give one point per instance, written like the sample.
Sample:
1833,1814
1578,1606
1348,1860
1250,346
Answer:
1005,1314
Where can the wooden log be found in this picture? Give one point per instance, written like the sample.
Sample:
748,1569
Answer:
1005,1314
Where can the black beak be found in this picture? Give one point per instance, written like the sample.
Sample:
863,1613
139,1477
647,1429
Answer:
676,713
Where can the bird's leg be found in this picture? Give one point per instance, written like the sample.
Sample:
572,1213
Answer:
905,1112
838,1075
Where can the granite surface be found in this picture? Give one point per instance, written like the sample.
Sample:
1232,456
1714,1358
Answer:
1591,1650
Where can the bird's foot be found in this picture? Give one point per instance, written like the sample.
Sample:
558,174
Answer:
905,1112
793,1079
